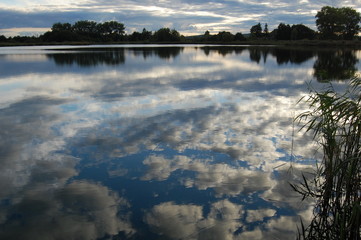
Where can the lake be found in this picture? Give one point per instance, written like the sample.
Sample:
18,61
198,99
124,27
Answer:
158,141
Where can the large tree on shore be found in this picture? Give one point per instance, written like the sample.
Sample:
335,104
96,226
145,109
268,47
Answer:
256,31
334,23
111,27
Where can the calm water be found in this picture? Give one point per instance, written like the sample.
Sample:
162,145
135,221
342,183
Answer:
134,142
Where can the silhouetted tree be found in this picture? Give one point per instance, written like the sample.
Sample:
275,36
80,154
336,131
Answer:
24,39
60,36
300,31
225,36
111,27
351,20
86,27
135,36
60,27
60,32
166,35
334,23
140,36
283,32
265,31
239,37
206,36
256,31
3,38
146,35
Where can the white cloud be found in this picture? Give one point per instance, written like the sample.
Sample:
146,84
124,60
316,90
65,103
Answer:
225,180
224,221
259,214
177,221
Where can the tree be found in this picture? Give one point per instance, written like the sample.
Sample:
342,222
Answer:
239,37
351,20
3,38
335,23
60,36
283,32
300,31
60,27
111,27
256,31
206,36
265,31
135,36
61,32
146,35
175,35
166,35
86,27
225,36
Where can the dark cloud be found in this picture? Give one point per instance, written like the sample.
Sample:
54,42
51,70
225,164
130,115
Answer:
79,210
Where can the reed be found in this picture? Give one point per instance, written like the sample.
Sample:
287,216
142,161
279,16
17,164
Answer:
335,121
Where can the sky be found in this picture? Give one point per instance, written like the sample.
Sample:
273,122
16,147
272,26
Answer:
189,17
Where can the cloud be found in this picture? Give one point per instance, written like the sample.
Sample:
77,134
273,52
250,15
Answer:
188,17
259,214
187,221
223,220
23,135
41,203
225,180
174,221
79,210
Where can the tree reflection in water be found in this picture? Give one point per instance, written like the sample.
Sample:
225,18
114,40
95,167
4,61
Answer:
329,65
91,57
335,65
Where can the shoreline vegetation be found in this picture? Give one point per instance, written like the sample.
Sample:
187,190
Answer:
310,43
335,121
336,27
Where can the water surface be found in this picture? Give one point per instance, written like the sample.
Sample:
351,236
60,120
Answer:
157,142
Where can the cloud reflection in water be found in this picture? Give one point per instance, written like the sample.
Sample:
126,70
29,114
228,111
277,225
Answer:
209,149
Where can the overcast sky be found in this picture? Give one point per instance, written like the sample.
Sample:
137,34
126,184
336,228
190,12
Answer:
27,17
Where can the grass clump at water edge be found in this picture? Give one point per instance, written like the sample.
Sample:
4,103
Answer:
335,121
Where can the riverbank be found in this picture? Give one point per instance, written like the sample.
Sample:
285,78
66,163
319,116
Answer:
316,43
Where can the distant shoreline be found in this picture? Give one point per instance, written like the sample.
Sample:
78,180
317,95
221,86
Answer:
310,43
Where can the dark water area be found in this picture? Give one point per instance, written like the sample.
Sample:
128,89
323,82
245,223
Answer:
158,142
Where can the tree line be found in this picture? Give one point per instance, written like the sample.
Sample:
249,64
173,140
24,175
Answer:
332,24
